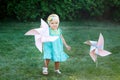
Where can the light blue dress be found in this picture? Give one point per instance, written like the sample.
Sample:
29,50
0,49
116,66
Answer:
54,50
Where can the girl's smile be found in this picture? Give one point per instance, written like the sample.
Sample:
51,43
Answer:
54,24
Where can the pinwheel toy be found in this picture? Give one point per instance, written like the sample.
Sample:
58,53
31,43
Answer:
41,35
97,48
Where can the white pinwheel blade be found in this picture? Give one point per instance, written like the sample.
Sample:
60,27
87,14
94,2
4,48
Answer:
38,42
36,31
103,52
93,55
45,27
88,42
32,32
100,43
44,24
49,38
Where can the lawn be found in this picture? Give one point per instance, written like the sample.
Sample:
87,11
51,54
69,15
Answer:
21,60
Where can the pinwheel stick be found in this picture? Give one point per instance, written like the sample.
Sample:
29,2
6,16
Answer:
96,61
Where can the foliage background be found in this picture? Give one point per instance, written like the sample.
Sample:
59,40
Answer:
32,10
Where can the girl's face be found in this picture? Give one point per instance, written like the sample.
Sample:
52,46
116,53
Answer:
54,24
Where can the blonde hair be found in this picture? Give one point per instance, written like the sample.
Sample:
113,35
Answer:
52,17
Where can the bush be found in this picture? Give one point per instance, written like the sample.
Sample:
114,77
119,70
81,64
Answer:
116,13
31,10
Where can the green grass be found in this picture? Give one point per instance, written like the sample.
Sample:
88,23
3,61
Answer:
20,60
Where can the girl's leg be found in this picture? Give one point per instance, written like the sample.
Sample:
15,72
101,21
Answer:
46,62
45,68
57,64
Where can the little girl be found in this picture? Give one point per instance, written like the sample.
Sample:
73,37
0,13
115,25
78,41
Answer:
54,50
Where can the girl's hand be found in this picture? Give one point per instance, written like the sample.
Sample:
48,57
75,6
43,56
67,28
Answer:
68,47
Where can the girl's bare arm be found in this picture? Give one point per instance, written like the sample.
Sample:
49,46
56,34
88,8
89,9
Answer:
65,44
